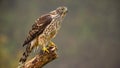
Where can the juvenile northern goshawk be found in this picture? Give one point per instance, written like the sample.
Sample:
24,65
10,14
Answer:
43,31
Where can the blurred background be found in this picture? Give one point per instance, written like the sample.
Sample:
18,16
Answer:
89,37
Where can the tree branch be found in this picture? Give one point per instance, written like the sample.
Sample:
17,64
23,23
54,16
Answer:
42,59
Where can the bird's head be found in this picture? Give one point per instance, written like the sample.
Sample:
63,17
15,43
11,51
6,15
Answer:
60,11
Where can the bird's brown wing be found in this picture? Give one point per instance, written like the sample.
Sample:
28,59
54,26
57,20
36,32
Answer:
37,28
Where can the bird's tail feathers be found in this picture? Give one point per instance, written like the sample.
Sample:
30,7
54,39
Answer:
26,54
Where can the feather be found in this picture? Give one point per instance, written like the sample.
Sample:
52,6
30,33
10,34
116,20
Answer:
37,28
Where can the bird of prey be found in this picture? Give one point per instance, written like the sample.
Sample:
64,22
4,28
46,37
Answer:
43,31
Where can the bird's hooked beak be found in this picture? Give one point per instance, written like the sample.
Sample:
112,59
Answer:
65,11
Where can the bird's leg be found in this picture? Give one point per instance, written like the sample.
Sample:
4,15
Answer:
42,41
51,44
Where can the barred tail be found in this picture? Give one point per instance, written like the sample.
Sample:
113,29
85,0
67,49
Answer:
26,54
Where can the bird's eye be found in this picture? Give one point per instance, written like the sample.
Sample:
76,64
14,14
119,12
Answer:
62,9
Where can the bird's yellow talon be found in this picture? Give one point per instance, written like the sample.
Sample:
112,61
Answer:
45,49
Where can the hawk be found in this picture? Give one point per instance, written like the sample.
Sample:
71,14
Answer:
43,31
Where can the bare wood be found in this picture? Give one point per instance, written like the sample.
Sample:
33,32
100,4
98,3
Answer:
42,58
